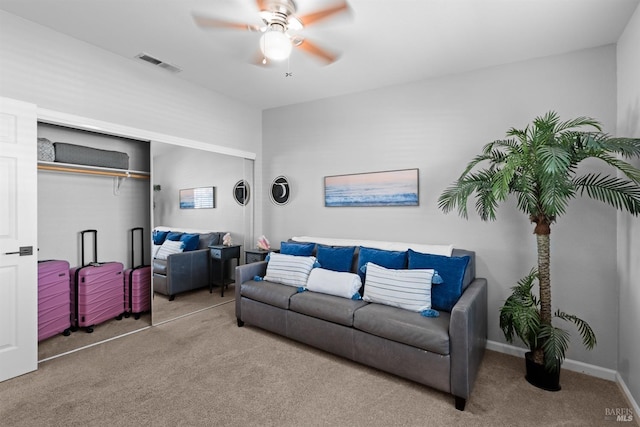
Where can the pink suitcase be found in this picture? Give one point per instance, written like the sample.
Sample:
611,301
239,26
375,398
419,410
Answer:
137,281
96,290
54,314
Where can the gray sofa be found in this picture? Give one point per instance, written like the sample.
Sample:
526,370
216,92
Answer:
185,271
442,352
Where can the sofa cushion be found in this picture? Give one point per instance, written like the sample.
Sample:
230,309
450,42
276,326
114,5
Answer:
289,269
326,307
383,258
335,258
206,239
407,289
160,266
270,293
407,327
452,270
298,249
338,283
191,241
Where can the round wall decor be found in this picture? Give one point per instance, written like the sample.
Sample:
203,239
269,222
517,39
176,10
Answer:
280,190
241,192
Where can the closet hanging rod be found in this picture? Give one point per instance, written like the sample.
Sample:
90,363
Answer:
123,174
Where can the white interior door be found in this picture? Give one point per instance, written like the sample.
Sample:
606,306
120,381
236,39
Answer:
18,239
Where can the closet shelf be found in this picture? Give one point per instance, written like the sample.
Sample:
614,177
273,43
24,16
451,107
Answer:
92,170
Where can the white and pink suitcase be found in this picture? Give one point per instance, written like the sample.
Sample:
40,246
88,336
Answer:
54,311
97,289
137,281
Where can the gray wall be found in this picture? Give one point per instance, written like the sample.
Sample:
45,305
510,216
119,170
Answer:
70,202
62,74
629,227
180,168
438,125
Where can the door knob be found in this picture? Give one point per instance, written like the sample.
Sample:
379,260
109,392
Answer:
24,250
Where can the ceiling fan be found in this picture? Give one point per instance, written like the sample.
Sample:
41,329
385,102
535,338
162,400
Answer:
280,29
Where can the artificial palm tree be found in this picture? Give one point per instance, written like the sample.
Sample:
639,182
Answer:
539,165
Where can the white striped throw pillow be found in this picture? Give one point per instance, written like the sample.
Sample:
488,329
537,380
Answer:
289,270
169,247
407,289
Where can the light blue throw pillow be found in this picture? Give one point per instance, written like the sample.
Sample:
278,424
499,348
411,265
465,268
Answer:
406,289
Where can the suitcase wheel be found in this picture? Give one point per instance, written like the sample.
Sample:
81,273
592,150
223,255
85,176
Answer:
127,314
137,316
119,317
89,329
67,332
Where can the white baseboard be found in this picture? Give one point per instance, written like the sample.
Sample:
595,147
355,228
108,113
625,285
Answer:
571,365
575,366
627,392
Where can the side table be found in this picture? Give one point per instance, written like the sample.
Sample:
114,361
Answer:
255,255
221,254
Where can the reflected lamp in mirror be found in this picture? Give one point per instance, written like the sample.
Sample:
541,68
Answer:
198,198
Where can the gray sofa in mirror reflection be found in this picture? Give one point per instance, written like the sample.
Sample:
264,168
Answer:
181,259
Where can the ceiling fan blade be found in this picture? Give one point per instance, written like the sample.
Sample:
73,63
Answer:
208,22
317,51
262,5
319,15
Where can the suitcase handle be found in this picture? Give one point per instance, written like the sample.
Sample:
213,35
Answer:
133,231
95,244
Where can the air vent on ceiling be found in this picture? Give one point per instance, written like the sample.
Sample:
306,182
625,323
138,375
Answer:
157,62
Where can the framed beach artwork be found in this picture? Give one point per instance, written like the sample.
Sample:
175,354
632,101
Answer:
388,188
198,198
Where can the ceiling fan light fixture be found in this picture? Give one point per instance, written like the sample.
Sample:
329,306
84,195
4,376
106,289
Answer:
275,44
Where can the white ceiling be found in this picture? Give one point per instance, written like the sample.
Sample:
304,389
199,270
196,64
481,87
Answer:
381,42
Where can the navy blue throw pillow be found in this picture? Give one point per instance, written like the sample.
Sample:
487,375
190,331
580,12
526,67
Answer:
387,259
336,258
444,295
298,249
159,237
174,235
191,241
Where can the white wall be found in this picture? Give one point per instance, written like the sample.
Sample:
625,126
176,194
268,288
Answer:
182,168
437,126
628,55
69,203
62,74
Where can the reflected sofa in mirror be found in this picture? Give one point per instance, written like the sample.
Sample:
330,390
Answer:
175,168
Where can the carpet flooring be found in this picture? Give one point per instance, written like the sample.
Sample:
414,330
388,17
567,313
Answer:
203,370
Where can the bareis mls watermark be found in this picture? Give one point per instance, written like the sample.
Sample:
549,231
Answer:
618,414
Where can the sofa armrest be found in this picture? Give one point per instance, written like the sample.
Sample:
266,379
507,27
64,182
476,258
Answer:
245,273
468,337
187,270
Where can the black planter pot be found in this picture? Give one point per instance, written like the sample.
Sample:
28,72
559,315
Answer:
539,377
